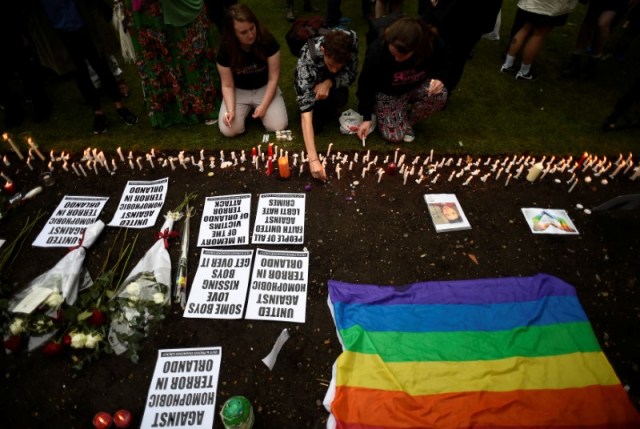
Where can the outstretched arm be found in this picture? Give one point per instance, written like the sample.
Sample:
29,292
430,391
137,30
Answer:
315,166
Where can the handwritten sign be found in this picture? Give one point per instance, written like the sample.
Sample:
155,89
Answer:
140,204
219,288
69,220
183,389
280,219
279,286
225,221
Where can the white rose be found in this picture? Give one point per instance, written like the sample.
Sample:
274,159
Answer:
92,340
158,298
54,300
17,327
78,340
133,289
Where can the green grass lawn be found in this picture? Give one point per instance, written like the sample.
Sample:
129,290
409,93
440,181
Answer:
489,113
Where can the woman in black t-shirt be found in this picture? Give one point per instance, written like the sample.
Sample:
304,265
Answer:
249,68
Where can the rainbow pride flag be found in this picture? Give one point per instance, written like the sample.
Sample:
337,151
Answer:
490,353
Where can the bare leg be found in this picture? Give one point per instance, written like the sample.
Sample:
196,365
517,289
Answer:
517,41
534,44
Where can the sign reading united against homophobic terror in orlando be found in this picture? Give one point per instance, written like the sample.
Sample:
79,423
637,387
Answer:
279,219
225,221
279,286
219,288
183,389
66,225
140,204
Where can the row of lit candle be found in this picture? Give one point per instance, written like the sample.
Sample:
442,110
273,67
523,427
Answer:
120,419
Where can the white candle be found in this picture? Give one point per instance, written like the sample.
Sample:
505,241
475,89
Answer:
506,183
636,172
485,177
113,164
364,171
466,182
150,159
573,176
131,164
84,173
519,171
405,176
617,170
221,155
75,169
212,161
629,165
574,185
435,179
173,167
499,172
6,138
139,162
534,172
35,148
380,173
201,166
95,167
5,161
202,154
350,165
130,156
29,164
451,176
331,144
65,167
395,156
338,171
431,155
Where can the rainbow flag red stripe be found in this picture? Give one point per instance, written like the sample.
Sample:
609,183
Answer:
490,353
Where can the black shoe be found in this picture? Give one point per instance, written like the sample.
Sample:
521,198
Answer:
528,76
99,123
128,117
508,69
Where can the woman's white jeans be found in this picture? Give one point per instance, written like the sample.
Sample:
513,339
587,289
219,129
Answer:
248,99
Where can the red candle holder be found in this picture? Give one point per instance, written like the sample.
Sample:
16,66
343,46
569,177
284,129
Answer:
102,420
122,419
9,187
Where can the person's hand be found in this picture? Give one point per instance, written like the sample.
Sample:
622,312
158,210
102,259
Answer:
435,87
317,170
259,112
363,129
228,118
322,89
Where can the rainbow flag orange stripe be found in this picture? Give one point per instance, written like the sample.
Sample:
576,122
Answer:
490,353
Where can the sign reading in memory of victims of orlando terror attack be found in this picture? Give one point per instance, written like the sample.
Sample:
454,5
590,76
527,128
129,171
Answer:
225,221
183,389
66,225
219,288
140,204
279,219
279,286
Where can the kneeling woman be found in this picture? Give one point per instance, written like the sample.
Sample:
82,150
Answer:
401,80
249,67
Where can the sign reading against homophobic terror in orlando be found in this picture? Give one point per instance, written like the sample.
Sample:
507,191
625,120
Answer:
279,286
140,204
225,221
219,288
68,221
279,219
183,389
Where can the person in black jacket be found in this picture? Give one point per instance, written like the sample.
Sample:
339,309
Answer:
401,81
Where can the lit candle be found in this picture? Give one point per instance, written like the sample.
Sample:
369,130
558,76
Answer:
499,172
435,179
35,148
202,154
201,166
380,173
173,167
629,165
582,159
466,182
405,177
451,176
617,170
395,156
338,169
75,169
84,173
122,419
574,185
6,138
636,172
331,144
573,176
102,420
150,159
506,183
364,171
139,162
431,155
131,164
113,164
65,167
519,171
95,166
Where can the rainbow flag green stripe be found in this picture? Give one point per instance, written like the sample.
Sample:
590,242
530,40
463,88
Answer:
454,346
490,353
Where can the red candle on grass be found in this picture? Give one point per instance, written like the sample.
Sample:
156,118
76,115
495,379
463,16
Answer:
102,420
122,419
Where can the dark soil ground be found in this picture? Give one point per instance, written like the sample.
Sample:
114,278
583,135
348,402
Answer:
377,233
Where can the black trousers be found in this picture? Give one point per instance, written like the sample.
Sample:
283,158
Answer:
81,47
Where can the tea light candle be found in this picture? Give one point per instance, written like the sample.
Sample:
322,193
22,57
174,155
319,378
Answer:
6,138
122,419
102,420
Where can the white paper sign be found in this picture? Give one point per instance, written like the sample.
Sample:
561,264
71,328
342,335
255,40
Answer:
183,389
69,220
225,221
140,204
219,288
279,219
279,286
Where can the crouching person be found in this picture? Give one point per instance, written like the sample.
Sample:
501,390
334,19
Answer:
402,80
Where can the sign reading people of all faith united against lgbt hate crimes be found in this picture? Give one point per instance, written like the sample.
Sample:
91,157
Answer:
279,219
219,288
140,204
66,225
279,286
225,221
183,389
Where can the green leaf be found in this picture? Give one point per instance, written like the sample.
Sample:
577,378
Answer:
84,315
